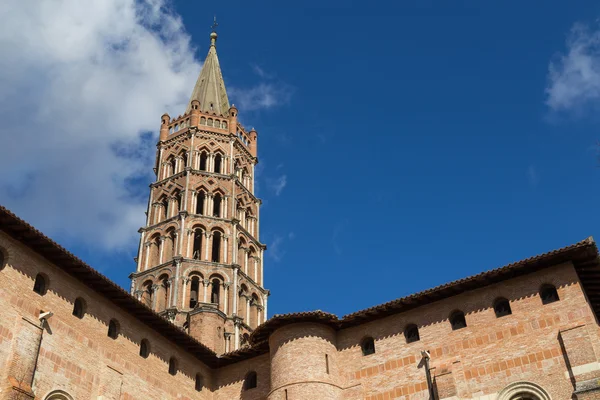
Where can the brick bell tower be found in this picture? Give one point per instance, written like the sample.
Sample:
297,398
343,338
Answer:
200,260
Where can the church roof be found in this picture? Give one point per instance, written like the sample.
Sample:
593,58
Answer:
210,87
583,255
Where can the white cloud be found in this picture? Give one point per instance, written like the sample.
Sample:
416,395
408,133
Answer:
265,95
277,185
276,246
80,83
574,77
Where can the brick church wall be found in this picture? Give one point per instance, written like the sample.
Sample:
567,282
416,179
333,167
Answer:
76,355
488,354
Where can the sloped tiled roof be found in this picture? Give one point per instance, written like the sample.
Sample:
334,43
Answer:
583,255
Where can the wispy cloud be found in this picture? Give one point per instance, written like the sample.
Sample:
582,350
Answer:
265,95
88,81
532,176
574,76
277,185
261,72
276,249
338,230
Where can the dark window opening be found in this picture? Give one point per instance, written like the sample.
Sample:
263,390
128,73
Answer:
502,308
185,160
194,290
177,197
172,366
250,382
411,334
200,203
203,158
327,363
79,308
197,250
245,340
199,382
216,247
40,285
217,205
165,204
144,349
368,346
548,294
173,163
113,329
214,292
457,320
218,161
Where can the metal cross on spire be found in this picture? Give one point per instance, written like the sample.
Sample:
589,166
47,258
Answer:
214,25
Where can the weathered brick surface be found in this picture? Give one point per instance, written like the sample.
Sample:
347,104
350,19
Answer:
541,344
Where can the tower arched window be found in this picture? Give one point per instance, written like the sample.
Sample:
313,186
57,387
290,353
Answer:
79,308
250,381
147,293
177,198
457,320
217,205
144,348
502,307
194,291
216,247
367,346
184,157
173,163
113,329
203,160
548,294
40,286
214,291
197,249
200,203
411,333
218,163
164,289
165,206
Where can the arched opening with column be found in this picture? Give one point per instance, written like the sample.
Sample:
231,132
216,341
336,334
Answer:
218,163
164,289
154,250
203,164
216,291
147,293
200,201
183,156
169,244
195,281
255,311
173,165
241,253
164,204
217,203
252,263
217,237
242,302
177,202
198,236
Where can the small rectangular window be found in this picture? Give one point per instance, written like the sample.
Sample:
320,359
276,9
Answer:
327,363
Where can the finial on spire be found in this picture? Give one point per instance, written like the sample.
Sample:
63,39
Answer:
213,34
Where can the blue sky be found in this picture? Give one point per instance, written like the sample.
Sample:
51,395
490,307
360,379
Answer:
402,145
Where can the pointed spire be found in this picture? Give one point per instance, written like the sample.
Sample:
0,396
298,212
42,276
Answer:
210,88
